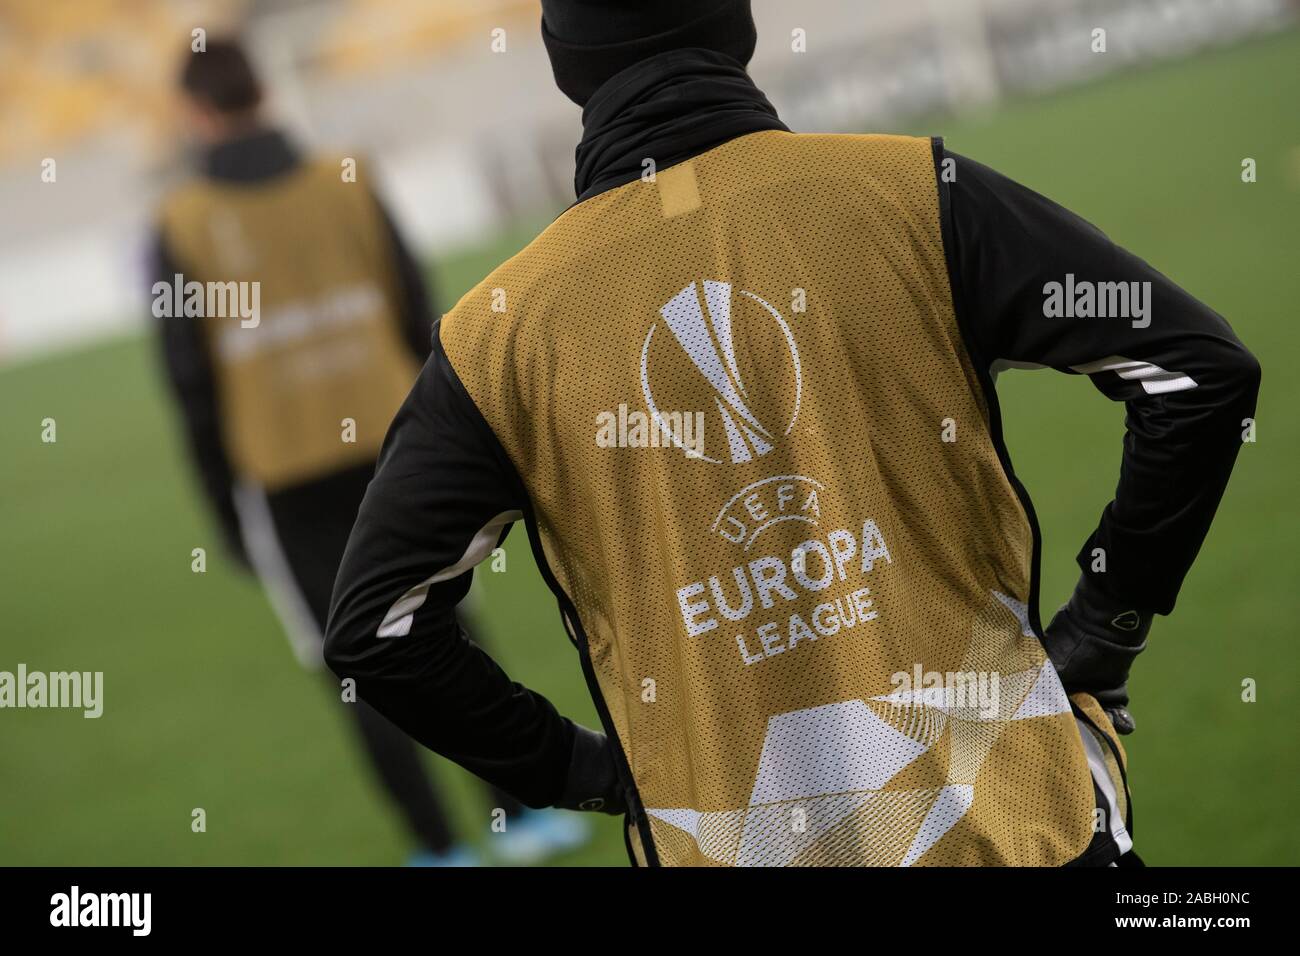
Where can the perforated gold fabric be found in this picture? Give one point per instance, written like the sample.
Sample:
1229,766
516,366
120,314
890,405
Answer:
753,600
310,385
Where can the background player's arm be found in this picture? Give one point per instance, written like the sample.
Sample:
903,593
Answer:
188,369
443,497
416,308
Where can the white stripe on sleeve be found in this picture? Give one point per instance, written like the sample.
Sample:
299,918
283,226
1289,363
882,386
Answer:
1154,379
397,622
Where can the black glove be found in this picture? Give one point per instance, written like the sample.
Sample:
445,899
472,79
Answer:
1092,641
592,783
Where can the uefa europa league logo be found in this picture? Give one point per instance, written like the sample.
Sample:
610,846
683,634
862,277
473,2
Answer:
700,319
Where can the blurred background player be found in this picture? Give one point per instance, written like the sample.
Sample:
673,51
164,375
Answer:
285,407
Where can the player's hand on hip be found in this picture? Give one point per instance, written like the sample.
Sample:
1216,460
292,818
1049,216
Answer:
592,783
1092,642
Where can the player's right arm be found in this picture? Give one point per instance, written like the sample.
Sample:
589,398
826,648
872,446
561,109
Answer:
443,497
187,366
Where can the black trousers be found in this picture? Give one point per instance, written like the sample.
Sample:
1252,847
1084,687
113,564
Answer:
295,539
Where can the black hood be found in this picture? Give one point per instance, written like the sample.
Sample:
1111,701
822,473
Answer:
589,41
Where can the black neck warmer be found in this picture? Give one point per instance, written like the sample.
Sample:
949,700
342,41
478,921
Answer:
667,108
258,154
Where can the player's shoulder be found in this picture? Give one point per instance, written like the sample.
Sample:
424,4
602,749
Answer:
522,287
182,196
184,205
575,252
338,166
779,146
876,152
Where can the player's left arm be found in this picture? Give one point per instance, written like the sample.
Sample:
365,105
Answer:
1021,268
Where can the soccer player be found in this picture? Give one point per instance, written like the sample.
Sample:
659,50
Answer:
741,396
285,403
